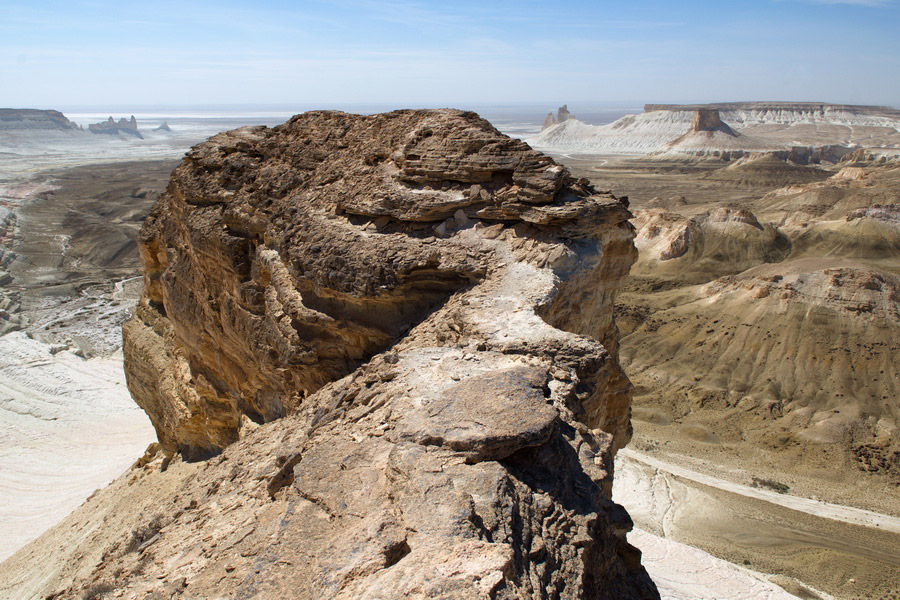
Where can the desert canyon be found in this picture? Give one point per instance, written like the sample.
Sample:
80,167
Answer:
650,358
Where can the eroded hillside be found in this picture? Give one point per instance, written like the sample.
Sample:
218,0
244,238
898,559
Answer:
763,318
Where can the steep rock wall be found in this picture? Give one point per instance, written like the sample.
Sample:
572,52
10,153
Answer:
428,305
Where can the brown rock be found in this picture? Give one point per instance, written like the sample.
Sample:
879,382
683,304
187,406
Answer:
451,405
707,119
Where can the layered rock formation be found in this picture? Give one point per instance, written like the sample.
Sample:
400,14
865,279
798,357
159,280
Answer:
721,241
707,119
31,118
790,111
785,127
764,332
112,127
428,305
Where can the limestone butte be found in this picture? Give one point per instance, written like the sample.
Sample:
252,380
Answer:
562,115
394,334
113,127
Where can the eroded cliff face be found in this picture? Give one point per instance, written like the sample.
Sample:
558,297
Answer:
282,259
428,304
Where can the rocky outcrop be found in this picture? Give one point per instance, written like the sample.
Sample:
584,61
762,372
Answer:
562,115
708,120
399,330
31,118
112,127
164,127
724,240
889,213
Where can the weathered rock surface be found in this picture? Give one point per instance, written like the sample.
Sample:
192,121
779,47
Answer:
428,305
707,119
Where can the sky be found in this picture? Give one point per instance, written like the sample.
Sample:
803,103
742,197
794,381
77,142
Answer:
418,53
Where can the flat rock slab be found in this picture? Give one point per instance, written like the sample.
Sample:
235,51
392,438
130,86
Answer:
487,416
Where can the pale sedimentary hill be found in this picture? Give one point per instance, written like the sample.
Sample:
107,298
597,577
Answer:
796,351
768,169
67,426
764,337
19,119
755,127
720,241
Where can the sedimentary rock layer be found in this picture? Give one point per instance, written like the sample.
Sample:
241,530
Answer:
32,118
428,305
741,128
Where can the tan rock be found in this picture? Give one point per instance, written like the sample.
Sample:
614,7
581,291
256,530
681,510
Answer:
439,414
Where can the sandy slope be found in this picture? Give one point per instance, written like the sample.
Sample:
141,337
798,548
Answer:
846,552
67,426
826,510
682,572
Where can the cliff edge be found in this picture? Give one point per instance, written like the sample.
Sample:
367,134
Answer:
394,335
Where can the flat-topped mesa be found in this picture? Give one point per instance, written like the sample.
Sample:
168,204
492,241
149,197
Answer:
32,118
428,304
113,127
819,108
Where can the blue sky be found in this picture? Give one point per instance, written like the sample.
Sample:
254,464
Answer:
408,52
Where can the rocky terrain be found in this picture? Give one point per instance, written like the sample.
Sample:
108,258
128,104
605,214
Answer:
759,328
781,312
677,131
377,328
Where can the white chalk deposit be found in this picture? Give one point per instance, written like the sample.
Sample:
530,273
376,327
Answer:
757,129
67,427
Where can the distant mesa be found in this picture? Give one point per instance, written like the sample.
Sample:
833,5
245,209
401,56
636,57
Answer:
809,131
163,127
785,110
562,115
112,127
12,119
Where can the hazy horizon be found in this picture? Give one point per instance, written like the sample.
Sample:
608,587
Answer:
408,53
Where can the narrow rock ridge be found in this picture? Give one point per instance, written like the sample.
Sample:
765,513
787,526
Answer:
428,304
